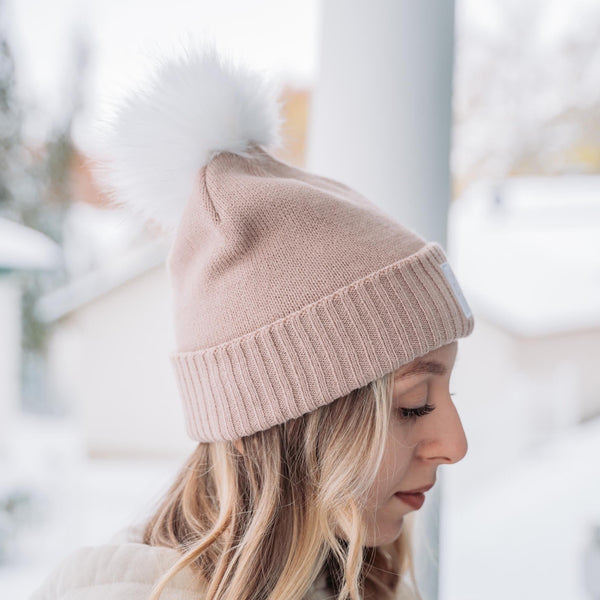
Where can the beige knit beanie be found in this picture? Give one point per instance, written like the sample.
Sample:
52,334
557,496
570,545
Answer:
289,289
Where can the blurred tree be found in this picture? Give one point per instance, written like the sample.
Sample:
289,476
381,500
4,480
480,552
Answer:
527,92
35,190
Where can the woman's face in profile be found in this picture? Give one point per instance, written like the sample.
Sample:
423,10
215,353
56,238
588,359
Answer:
416,445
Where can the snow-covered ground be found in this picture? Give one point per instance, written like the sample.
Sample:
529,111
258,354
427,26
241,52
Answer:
523,534
79,501
529,253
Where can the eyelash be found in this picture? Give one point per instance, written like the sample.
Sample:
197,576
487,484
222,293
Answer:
415,413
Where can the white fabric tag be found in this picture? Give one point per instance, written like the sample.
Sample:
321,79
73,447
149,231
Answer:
447,270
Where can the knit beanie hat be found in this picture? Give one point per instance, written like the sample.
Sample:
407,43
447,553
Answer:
289,289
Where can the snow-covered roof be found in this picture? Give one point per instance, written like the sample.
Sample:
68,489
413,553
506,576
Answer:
23,248
527,252
110,275
103,249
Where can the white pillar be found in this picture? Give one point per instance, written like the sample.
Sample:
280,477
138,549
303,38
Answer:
379,121
380,116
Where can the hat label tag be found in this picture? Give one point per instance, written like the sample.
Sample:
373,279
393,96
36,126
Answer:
447,270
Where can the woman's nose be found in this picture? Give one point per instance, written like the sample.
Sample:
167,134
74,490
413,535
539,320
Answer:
444,440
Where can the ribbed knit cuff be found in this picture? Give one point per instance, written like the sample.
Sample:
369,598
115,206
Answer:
324,350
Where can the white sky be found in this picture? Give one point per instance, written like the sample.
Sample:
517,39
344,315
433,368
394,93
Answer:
279,36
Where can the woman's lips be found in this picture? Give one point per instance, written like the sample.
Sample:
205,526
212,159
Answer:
413,500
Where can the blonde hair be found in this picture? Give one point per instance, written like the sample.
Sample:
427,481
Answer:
264,523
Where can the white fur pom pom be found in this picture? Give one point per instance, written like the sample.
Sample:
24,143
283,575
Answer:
192,108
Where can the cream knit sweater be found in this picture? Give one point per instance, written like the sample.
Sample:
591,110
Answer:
126,569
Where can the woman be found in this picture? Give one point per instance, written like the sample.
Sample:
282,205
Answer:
316,337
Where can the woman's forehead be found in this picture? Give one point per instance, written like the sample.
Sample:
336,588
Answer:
436,362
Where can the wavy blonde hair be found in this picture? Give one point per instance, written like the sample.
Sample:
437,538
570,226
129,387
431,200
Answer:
264,523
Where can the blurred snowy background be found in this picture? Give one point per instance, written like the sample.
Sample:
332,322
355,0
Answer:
487,112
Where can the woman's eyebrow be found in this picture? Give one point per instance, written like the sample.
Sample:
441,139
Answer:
424,366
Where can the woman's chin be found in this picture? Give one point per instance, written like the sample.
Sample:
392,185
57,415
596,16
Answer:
390,535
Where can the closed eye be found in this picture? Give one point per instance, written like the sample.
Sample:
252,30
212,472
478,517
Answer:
415,413
420,411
